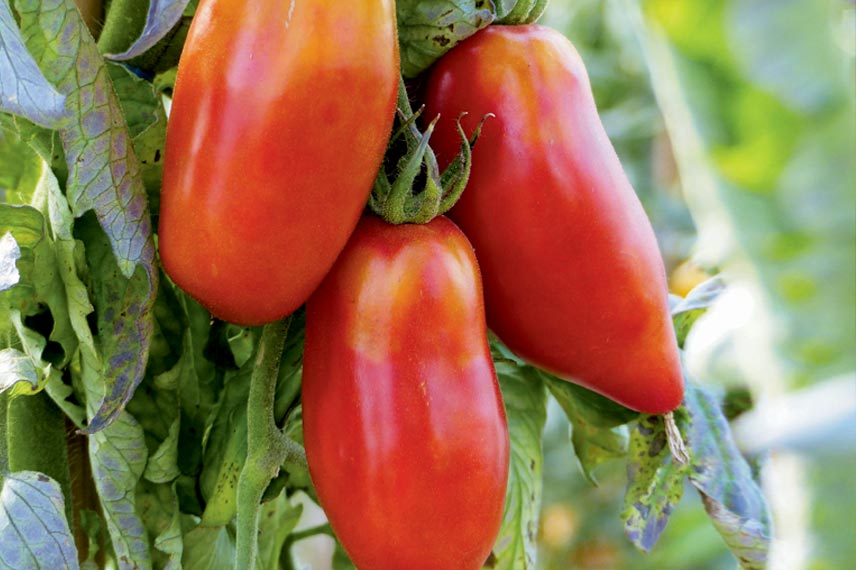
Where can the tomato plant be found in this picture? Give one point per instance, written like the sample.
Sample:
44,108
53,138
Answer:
574,281
143,430
400,399
267,164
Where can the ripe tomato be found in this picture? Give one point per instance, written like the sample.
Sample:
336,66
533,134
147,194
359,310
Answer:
279,123
574,281
404,425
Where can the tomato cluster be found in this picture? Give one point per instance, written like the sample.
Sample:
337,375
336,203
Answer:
276,135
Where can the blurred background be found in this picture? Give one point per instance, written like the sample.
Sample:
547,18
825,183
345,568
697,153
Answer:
735,122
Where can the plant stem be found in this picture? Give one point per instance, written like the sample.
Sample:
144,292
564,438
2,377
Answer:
676,442
123,23
4,445
266,445
36,441
294,453
299,535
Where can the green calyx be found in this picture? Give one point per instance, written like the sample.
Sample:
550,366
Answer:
406,198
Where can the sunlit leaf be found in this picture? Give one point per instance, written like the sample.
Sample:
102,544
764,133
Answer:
104,176
731,496
15,366
10,253
24,91
34,533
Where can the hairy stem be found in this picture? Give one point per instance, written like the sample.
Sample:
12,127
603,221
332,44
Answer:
266,445
4,446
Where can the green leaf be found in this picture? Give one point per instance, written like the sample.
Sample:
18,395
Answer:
519,12
697,302
15,366
159,510
59,261
34,532
655,483
209,549
140,104
33,345
146,118
199,385
427,29
226,444
598,426
277,519
226,450
103,170
24,91
26,261
162,466
118,457
104,176
20,167
124,322
730,494
162,16
526,410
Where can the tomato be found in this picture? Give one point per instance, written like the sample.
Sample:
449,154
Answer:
404,426
574,281
279,123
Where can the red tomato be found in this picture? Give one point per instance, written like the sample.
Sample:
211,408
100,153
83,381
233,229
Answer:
403,421
281,116
574,281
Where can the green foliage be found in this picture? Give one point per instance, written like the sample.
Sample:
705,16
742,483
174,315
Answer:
427,29
598,425
525,407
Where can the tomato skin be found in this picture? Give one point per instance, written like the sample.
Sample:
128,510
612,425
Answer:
278,126
404,426
574,281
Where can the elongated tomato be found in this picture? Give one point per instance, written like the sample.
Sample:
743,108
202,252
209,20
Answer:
281,115
404,425
574,281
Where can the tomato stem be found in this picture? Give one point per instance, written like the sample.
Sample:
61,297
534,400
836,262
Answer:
676,441
299,535
4,446
402,201
267,447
